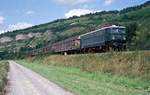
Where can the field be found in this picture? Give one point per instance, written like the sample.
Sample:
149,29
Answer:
3,76
96,74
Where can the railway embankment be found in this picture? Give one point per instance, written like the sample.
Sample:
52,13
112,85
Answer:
131,64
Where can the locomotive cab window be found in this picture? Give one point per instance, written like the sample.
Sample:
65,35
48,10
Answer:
118,30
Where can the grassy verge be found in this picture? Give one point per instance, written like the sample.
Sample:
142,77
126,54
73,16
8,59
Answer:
3,76
89,83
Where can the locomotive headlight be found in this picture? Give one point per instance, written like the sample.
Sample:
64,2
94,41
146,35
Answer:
113,37
124,38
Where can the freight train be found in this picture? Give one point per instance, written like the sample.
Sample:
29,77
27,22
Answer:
101,40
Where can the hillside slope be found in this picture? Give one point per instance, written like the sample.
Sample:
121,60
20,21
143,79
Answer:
136,19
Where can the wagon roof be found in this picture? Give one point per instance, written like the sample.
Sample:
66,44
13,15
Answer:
72,38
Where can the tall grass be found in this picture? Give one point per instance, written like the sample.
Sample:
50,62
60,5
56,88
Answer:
130,64
3,76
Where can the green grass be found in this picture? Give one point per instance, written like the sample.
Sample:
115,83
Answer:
86,83
3,76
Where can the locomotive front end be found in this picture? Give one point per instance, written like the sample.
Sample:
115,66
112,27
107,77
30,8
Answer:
118,37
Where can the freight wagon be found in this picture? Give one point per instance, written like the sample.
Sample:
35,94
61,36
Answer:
70,44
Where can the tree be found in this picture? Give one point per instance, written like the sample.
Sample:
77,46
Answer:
131,33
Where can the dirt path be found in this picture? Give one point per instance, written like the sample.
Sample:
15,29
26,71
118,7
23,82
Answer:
23,81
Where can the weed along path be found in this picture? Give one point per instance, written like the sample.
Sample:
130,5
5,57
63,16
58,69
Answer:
23,81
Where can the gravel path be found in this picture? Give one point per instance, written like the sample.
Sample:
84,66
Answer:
23,81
